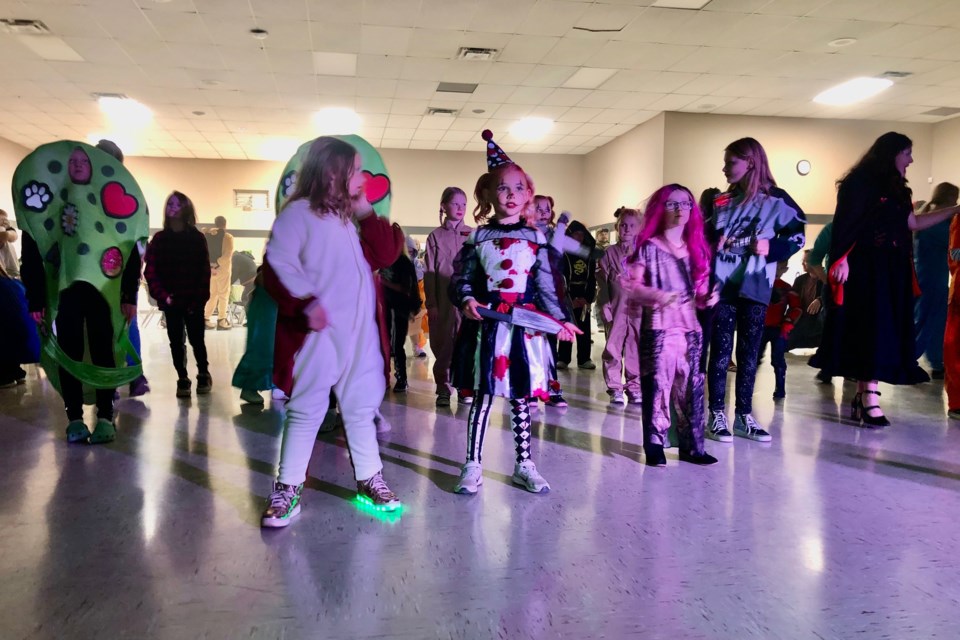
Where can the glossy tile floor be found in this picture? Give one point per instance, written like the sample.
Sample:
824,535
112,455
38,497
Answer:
831,531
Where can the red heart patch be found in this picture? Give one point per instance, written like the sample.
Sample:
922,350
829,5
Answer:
376,187
117,203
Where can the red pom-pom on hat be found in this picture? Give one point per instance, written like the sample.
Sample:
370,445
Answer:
495,155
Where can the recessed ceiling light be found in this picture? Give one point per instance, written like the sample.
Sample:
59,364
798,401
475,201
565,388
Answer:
334,64
125,113
259,34
842,42
853,91
532,128
336,121
588,78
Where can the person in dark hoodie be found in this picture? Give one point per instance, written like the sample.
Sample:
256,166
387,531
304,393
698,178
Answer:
401,296
581,276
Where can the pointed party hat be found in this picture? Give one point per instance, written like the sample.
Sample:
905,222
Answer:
496,157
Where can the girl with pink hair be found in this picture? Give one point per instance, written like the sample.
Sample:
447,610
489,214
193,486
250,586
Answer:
668,275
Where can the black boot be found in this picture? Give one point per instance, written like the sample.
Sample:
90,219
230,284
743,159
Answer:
780,390
702,459
654,455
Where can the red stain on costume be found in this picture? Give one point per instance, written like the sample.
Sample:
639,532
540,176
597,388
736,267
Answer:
512,272
506,264
506,243
506,283
501,364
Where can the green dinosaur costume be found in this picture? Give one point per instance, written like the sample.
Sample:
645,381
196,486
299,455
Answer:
378,187
86,214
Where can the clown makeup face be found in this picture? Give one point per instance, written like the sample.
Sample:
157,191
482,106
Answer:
544,212
513,194
172,208
78,167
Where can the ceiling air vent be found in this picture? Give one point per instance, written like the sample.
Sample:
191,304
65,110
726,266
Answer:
896,74
476,53
23,27
941,112
115,96
439,111
456,87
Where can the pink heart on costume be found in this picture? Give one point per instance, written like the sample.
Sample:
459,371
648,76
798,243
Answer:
117,203
376,187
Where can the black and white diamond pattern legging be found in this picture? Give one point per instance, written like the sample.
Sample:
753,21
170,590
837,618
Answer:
477,427
746,317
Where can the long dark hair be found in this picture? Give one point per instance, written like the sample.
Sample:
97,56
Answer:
324,177
879,165
187,212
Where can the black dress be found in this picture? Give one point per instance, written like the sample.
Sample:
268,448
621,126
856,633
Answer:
871,335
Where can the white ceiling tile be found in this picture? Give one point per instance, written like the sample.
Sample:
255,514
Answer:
440,123
458,136
428,134
394,13
513,111
404,122
529,95
371,105
501,16
566,97
591,129
424,69
649,81
579,114
492,93
332,11
335,37
466,71
405,107
446,145
430,145
613,116
385,40
545,75
376,87
435,43
391,143
603,98
447,14
415,89
527,49
552,17
508,73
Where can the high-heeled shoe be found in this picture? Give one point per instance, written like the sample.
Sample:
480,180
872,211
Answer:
856,407
873,421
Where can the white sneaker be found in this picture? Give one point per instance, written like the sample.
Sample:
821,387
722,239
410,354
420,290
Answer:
616,397
462,399
277,394
471,477
526,475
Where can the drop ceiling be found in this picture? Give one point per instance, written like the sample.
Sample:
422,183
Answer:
184,58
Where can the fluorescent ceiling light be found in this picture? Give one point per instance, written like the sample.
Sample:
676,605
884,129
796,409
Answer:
532,128
50,48
853,91
588,78
128,144
125,113
336,121
681,4
334,64
281,149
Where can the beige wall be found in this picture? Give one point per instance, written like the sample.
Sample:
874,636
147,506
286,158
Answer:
694,143
418,177
10,156
624,172
946,154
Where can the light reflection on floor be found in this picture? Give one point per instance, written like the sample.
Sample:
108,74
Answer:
830,531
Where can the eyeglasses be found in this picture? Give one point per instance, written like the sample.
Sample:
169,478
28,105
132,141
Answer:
673,207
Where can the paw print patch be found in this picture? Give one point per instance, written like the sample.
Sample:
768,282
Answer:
36,196
289,184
